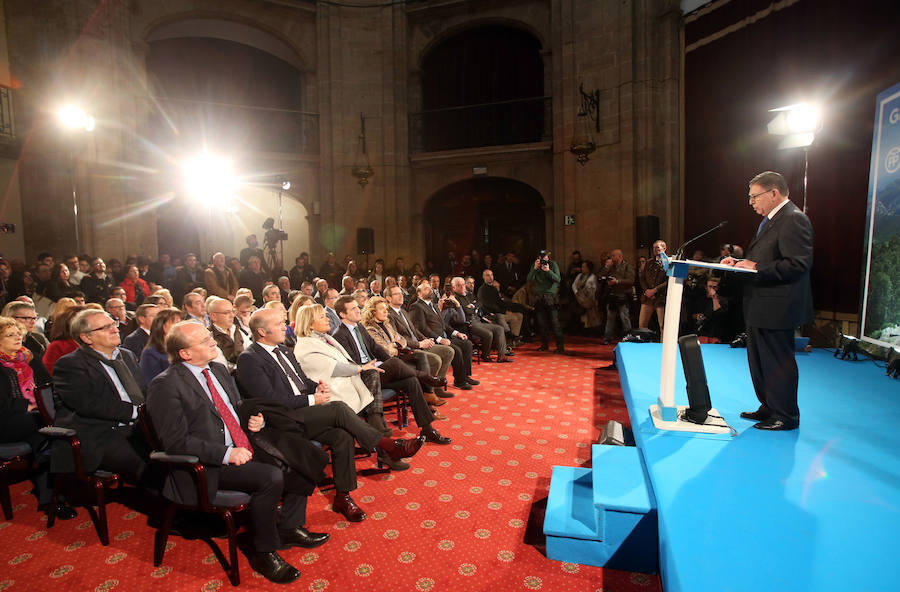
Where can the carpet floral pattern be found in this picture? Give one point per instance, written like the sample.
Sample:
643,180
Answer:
465,517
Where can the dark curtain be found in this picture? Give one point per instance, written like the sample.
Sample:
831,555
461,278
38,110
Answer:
837,53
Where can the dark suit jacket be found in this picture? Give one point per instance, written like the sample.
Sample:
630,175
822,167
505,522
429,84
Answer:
260,376
412,340
88,402
343,336
428,321
96,289
187,422
183,283
136,341
778,296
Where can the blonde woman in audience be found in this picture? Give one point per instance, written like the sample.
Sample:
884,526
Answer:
323,359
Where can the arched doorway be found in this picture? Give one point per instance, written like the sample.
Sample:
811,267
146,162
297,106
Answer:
491,215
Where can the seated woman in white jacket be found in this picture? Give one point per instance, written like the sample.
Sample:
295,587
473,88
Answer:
322,358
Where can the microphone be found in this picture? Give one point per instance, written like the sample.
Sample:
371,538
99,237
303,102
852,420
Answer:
679,254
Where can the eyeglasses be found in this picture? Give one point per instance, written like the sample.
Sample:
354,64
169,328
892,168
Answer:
105,327
755,195
26,318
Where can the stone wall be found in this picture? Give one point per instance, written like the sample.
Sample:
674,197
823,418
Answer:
355,60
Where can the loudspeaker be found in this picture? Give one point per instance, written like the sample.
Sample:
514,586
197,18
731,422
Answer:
646,231
695,376
365,241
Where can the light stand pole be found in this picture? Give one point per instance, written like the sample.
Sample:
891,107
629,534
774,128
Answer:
75,119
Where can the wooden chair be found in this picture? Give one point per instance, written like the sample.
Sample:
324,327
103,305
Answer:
97,482
225,503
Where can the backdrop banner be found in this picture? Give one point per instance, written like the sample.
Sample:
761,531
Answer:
881,267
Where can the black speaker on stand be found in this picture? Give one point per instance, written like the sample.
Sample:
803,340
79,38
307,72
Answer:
646,231
365,243
695,376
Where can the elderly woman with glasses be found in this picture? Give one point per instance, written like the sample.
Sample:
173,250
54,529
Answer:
19,418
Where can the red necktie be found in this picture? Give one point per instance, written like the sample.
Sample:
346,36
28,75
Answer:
234,429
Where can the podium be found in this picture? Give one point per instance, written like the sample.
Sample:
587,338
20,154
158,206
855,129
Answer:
677,271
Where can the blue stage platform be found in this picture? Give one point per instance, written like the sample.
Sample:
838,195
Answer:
812,509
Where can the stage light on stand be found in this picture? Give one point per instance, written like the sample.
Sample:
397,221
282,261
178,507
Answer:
75,119
799,124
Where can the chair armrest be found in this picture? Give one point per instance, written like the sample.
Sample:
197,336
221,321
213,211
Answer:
57,432
175,459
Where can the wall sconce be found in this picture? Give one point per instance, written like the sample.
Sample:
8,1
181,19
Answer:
583,140
363,170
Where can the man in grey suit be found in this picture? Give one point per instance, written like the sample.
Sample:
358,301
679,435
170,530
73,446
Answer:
777,299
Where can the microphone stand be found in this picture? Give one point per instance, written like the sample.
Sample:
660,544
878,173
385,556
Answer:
679,254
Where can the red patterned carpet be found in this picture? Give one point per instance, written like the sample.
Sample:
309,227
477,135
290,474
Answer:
465,517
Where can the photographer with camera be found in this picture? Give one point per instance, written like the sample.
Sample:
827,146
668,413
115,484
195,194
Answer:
545,277
619,276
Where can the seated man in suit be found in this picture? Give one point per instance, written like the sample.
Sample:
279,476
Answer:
116,309
98,388
396,375
438,356
224,330
491,334
193,408
194,306
334,321
268,370
137,339
428,321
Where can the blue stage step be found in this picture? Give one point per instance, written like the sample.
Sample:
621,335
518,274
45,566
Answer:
604,516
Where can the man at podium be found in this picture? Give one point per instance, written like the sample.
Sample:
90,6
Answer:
777,299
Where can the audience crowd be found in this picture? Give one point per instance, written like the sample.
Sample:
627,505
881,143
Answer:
245,366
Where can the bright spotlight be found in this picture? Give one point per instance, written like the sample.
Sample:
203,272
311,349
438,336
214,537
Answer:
210,178
799,122
75,118
286,185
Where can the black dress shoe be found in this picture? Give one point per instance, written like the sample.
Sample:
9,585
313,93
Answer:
63,510
559,350
432,381
272,567
543,348
754,415
504,360
465,386
472,381
443,393
432,435
344,504
300,537
772,424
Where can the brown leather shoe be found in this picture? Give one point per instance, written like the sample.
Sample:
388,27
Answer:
344,504
438,415
433,399
401,447
442,393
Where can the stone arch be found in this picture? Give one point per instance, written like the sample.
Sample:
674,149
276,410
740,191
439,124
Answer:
488,214
459,28
231,27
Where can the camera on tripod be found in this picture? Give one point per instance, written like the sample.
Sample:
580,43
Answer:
273,235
